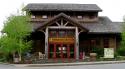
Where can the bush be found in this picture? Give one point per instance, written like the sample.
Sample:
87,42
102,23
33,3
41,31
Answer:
99,51
121,51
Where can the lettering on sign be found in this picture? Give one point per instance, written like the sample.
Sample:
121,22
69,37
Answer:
64,40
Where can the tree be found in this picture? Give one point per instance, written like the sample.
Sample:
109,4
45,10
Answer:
121,50
16,29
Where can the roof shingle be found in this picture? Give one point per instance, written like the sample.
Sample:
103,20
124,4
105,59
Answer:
104,25
61,7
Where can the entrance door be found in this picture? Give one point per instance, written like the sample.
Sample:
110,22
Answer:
61,51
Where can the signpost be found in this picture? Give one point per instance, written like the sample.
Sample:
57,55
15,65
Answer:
108,52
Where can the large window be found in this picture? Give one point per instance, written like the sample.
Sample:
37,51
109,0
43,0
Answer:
53,34
61,33
70,33
106,42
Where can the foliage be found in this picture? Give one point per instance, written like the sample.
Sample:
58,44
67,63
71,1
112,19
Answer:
8,45
16,28
121,49
99,51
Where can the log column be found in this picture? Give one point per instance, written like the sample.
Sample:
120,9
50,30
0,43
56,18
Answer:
46,43
77,43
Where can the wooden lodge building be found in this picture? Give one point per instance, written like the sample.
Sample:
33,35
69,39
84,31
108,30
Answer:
66,30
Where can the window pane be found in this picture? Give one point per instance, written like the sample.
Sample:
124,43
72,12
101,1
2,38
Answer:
44,16
32,16
61,33
106,42
70,33
52,33
79,17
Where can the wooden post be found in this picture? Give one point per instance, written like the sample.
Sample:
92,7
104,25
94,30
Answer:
48,50
77,44
46,43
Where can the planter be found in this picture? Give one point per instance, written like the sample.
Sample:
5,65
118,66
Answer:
93,56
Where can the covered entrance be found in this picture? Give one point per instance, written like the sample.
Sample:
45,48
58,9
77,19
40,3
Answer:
61,50
61,37
61,43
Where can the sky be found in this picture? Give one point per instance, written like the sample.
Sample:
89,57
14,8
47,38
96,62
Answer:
114,9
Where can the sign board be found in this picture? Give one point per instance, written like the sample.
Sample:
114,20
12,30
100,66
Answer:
108,52
63,40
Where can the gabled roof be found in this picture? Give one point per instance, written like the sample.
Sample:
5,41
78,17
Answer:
61,15
61,7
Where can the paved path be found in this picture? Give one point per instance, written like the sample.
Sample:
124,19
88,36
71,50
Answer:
101,66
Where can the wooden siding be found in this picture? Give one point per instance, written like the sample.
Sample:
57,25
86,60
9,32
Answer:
112,43
86,16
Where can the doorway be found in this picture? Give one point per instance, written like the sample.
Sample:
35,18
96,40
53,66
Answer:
60,50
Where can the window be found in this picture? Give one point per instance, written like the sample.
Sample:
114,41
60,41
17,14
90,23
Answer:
79,17
70,33
93,42
32,16
91,16
53,34
44,16
106,42
61,33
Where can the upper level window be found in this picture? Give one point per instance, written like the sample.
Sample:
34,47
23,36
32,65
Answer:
44,16
91,17
32,16
79,17
53,34
70,33
61,33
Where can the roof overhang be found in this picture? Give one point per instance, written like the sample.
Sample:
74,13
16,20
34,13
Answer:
61,7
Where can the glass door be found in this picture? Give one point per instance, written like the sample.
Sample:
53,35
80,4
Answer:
72,51
61,51
64,51
51,51
58,51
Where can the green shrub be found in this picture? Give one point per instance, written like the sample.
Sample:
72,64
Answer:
99,51
121,51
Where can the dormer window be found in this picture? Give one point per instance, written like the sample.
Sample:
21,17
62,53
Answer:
79,17
44,16
32,16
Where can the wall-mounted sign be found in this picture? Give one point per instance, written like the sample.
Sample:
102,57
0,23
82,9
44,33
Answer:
108,52
64,40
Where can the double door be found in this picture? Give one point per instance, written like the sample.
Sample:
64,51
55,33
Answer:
61,50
